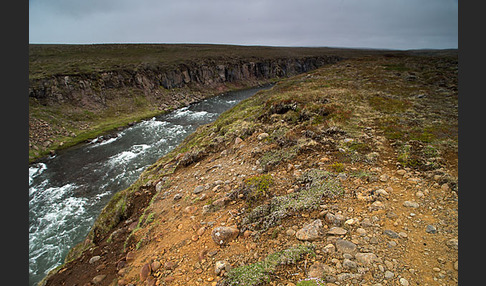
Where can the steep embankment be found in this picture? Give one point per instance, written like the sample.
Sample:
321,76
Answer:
70,105
347,174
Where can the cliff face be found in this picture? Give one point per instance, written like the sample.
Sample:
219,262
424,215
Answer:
92,89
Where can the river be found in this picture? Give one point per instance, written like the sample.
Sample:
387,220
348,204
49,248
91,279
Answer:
68,191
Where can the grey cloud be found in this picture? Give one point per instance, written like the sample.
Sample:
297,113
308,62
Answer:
401,24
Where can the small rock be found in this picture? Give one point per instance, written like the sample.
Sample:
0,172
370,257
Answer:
177,197
319,270
337,231
345,246
401,172
221,201
94,259
377,205
310,231
145,272
223,235
410,204
220,266
366,258
169,265
384,178
381,193
391,233
430,229
349,264
262,136
456,265
336,220
330,248
155,265
190,209
389,275
290,232
201,231
98,278
198,189
238,140
130,256
453,243
404,282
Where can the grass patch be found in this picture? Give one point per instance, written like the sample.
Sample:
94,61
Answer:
259,272
319,184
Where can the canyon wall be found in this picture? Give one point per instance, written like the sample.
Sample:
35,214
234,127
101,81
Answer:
89,89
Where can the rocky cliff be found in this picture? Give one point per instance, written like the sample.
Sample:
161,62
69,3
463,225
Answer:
86,89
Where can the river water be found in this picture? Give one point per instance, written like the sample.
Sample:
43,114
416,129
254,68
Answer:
69,190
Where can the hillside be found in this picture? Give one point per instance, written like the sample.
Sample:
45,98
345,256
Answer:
343,174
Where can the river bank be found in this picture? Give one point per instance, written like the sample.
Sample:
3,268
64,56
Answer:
345,174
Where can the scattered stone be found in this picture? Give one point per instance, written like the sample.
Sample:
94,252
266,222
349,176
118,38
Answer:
366,258
262,136
401,172
430,229
337,231
384,178
98,278
169,265
190,209
221,266
349,264
201,230
391,233
361,231
381,193
155,265
345,246
198,189
310,231
238,140
290,232
221,201
330,248
130,256
177,197
389,275
376,206
94,259
453,243
456,265
223,235
145,272
404,282
336,220
410,204
319,270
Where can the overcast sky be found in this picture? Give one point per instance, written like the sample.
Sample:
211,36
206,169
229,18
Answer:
389,24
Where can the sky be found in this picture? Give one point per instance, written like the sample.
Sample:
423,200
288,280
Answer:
381,24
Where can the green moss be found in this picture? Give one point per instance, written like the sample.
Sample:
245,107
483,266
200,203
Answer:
260,272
